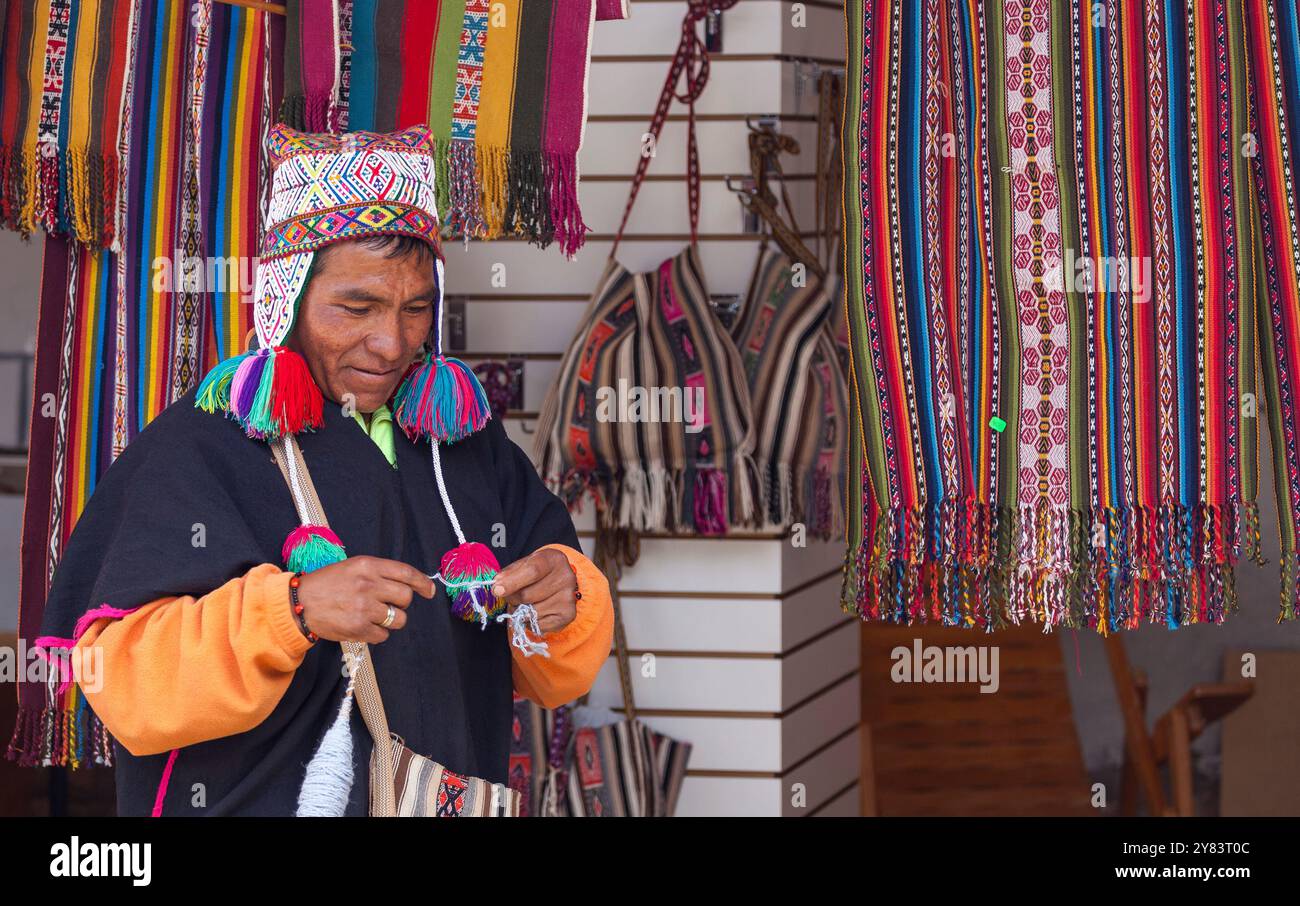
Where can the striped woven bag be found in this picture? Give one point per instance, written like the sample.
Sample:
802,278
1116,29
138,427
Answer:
650,413
622,769
619,769
800,408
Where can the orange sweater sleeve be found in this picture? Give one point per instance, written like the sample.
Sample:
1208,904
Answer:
183,670
578,650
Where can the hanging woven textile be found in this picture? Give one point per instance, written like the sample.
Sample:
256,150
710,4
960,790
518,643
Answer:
1055,250
62,64
1274,117
822,442
121,336
507,145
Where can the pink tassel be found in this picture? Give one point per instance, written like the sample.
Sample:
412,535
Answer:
468,571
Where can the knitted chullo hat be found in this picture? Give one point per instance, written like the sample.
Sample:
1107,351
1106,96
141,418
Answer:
325,189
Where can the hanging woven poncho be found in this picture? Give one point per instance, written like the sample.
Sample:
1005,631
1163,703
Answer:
1070,241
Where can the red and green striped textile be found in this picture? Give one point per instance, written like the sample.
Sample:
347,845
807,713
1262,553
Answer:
1272,35
1070,242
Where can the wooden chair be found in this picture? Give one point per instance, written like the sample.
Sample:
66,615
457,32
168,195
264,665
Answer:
1171,739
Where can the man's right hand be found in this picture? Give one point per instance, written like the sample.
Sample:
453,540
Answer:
347,601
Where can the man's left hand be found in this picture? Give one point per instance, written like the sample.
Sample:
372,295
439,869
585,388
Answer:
545,580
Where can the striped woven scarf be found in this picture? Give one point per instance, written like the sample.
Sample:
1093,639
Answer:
120,336
62,65
1059,238
1273,118
507,146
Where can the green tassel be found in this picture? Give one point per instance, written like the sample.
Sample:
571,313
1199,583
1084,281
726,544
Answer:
309,547
214,391
313,554
260,416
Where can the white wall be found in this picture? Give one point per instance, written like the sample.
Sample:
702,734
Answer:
20,271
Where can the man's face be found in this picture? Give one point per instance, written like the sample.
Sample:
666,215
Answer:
363,320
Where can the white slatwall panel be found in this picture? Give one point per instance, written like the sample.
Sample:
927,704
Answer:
845,805
752,625
471,272
769,685
765,744
823,778
754,662
611,148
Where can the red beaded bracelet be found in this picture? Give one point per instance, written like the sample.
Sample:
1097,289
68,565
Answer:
294,581
577,590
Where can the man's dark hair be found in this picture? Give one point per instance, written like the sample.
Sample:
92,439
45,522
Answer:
398,246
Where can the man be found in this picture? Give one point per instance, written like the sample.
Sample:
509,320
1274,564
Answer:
219,615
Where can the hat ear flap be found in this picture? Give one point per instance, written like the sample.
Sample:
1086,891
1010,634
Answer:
280,285
269,390
295,305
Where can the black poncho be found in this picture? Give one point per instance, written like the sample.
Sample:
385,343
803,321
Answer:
446,684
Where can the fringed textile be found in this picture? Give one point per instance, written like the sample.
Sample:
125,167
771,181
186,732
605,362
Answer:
1059,237
650,415
507,147
62,71
778,335
1272,120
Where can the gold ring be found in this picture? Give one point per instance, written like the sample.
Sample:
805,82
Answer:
392,615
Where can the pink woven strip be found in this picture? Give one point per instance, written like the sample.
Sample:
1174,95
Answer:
162,785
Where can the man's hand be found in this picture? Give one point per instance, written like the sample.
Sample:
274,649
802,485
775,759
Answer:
545,580
347,601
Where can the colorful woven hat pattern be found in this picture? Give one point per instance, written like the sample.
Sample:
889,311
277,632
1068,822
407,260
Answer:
327,188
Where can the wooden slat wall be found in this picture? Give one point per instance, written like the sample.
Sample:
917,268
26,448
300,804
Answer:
944,749
754,661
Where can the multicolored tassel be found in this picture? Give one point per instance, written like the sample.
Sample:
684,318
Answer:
269,392
440,399
309,547
468,571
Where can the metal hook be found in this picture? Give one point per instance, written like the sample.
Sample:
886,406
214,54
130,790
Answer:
744,190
